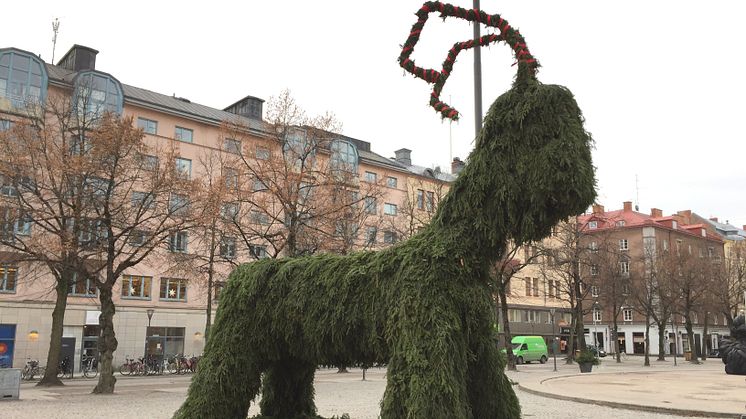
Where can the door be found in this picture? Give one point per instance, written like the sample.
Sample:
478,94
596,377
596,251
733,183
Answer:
68,351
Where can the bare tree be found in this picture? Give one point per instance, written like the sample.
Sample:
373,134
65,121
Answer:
301,197
567,259
729,291
50,181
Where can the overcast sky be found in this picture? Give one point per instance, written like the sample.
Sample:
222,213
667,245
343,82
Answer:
661,83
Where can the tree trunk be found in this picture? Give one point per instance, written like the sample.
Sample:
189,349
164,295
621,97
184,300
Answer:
647,340
107,342
616,344
571,343
661,341
506,328
210,276
706,345
690,338
580,327
55,340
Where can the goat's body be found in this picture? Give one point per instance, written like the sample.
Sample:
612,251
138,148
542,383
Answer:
364,308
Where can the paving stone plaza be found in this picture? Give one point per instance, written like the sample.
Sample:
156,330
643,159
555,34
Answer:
610,391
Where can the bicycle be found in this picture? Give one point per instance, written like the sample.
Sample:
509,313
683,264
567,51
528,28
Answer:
32,369
131,367
90,367
65,368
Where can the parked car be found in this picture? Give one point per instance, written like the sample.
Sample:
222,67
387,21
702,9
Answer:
597,351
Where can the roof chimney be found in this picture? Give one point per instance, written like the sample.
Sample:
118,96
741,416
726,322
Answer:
79,58
404,156
456,166
598,209
656,213
627,206
715,219
686,216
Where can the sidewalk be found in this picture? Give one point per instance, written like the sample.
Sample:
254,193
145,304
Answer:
686,390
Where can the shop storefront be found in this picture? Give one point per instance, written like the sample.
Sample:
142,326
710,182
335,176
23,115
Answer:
7,345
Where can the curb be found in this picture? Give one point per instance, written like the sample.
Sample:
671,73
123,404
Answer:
628,406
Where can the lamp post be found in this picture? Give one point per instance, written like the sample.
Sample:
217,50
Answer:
554,339
150,312
596,308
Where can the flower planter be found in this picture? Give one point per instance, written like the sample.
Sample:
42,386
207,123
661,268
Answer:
586,366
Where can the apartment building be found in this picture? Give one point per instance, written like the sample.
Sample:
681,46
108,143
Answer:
161,309
629,248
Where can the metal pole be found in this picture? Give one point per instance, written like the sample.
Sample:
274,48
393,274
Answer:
554,342
477,78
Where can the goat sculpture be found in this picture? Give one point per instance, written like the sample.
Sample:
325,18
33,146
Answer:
424,306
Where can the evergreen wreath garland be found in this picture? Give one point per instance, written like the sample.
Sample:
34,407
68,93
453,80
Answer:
511,36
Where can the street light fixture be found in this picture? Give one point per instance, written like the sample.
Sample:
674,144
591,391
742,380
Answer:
554,338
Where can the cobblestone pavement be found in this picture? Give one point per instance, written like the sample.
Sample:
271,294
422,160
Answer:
159,397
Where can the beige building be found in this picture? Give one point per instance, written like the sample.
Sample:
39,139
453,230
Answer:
160,307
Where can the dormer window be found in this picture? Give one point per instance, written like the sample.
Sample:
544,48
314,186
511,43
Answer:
23,78
96,93
344,156
620,223
593,225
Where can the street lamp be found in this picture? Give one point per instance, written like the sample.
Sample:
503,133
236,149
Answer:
596,309
150,312
554,341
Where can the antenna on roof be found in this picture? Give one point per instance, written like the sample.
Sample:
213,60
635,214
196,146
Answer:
55,29
637,193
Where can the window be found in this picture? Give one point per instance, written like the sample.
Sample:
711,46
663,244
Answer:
258,217
678,247
5,124
594,290
620,223
258,252
623,244
420,199
92,232
136,286
8,278
96,93
371,177
149,162
527,282
389,209
550,288
231,178
594,270
391,182
232,146
147,125
593,225
624,268
710,252
344,156
514,316
430,201
23,78
184,167
593,247
173,289
229,211
625,288
370,235
371,207
597,315
178,242
665,245
82,287
389,237
258,186
627,313
138,238
228,247
142,199
178,204
183,134
262,153
535,287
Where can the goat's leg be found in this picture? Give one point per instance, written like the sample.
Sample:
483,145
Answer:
490,392
287,389
427,373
